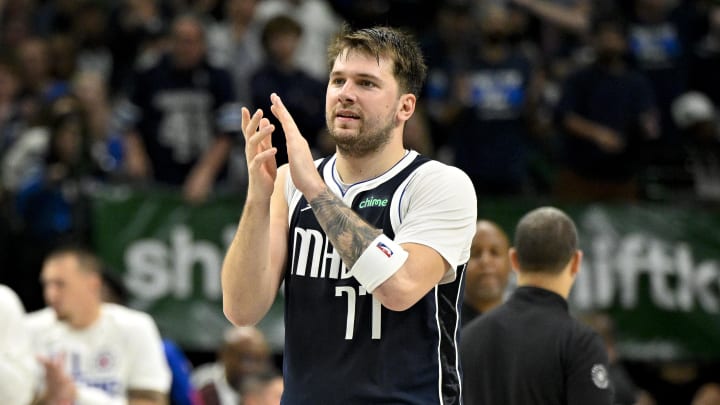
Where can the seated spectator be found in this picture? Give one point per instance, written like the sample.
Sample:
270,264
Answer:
244,352
93,352
262,389
16,358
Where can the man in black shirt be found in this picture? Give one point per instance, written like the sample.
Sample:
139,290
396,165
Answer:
530,350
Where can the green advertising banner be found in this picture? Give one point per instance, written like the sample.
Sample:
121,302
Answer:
169,254
655,269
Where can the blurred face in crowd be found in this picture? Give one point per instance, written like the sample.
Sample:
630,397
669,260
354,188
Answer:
188,43
8,83
245,352
72,292
270,394
282,46
34,61
610,44
241,10
363,103
90,89
495,24
489,266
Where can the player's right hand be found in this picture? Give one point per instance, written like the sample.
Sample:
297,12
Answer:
259,153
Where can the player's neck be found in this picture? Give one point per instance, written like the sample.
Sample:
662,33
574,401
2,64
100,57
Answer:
86,319
557,283
353,169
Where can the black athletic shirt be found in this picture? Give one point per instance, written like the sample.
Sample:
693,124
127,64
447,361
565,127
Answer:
341,346
531,351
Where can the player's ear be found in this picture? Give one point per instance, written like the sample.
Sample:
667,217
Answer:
513,259
575,263
406,106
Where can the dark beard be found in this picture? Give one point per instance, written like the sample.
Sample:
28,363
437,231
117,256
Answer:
364,144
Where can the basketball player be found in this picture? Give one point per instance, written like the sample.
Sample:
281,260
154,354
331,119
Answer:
16,358
529,350
370,243
94,353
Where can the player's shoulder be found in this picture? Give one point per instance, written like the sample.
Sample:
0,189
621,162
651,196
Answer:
583,337
126,316
41,319
8,297
436,170
443,178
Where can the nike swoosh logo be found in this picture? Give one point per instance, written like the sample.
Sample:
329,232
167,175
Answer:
306,208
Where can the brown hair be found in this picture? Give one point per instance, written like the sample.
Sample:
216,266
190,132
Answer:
399,46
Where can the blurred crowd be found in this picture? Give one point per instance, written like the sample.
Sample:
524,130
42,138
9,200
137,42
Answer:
574,100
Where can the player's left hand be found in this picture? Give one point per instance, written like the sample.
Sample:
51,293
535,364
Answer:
59,386
302,167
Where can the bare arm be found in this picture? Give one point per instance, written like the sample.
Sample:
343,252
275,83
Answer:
573,18
606,138
146,397
252,268
350,234
202,177
137,163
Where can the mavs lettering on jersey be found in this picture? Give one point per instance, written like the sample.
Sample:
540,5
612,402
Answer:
341,345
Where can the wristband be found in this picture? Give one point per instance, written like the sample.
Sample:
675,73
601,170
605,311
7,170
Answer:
380,260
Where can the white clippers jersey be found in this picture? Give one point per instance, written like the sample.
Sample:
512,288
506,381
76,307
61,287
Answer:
17,363
122,350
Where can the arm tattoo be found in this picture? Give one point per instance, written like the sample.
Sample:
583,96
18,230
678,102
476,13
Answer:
349,234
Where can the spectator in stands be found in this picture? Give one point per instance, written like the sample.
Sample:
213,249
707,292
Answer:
91,90
52,195
659,36
492,135
11,120
244,353
235,44
181,118
302,94
606,113
447,44
319,24
132,26
90,31
17,384
705,59
39,88
488,271
93,352
699,123
262,389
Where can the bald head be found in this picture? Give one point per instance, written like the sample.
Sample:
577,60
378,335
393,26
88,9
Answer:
245,351
488,268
